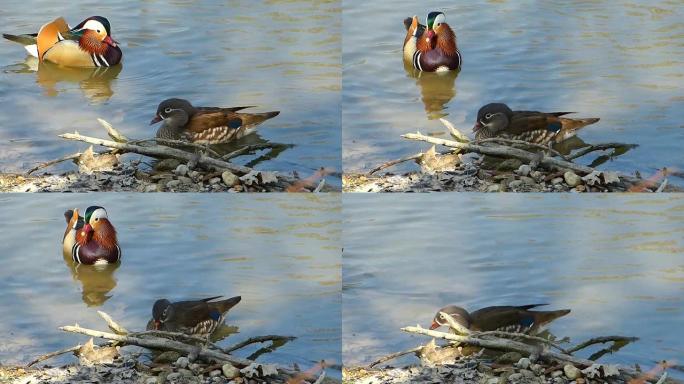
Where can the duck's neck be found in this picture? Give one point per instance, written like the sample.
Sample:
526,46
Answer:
106,236
172,127
446,40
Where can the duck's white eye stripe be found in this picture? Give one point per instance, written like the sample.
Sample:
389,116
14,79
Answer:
440,19
94,25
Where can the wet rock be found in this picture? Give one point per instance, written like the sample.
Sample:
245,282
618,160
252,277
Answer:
557,180
515,184
230,371
151,380
181,170
173,184
494,188
572,179
515,377
151,188
182,362
185,180
167,357
229,178
215,373
524,170
610,177
528,181
571,372
555,374
509,165
167,165
173,376
214,181
509,358
523,363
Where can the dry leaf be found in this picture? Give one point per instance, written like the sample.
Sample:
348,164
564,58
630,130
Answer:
90,354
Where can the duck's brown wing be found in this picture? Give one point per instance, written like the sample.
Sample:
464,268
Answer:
206,119
230,109
527,121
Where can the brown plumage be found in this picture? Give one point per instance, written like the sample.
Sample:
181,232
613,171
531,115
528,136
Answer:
498,120
206,125
431,47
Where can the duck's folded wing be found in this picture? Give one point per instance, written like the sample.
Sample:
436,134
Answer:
205,120
522,122
50,34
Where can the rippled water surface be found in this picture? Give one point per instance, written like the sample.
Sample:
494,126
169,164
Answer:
622,61
277,55
617,262
280,253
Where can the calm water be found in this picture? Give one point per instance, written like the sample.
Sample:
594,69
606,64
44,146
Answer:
276,54
622,61
617,262
280,253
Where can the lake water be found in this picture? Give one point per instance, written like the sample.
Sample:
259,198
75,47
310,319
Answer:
617,261
281,253
277,55
622,61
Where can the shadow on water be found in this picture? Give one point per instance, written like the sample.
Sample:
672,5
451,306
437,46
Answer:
436,89
95,83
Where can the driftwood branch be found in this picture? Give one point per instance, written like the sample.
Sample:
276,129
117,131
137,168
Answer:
509,335
257,339
160,151
601,340
501,345
394,162
600,147
50,163
503,151
160,343
521,142
53,354
113,325
393,356
175,143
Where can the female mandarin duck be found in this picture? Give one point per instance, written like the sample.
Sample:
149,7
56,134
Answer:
205,125
498,120
89,44
502,318
431,48
197,317
90,240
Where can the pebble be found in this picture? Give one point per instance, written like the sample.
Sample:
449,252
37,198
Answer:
215,373
515,184
182,362
523,363
524,170
571,372
151,380
528,180
555,374
151,188
572,179
229,371
173,184
185,180
181,170
214,181
537,368
229,178
173,376
515,377
557,181
494,188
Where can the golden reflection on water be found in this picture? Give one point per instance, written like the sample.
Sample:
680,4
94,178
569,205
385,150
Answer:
97,281
95,83
436,89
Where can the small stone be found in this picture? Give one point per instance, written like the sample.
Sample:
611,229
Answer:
555,374
572,372
173,376
173,184
185,373
537,175
493,380
524,170
581,188
215,373
557,181
537,368
181,170
580,381
194,175
229,178
167,357
151,380
494,188
528,180
515,377
214,181
572,179
182,362
515,184
509,358
523,363
151,188
527,374
167,165
185,180
509,165
229,371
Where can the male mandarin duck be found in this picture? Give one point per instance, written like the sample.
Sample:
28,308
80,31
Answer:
205,125
498,120
89,44
518,319
431,47
197,317
90,240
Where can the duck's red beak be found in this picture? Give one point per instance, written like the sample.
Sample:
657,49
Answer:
110,41
156,119
431,34
434,325
157,324
477,127
87,228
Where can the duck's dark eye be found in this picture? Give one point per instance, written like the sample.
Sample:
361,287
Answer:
441,317
97,219
488,116
98,31
167,110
